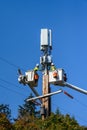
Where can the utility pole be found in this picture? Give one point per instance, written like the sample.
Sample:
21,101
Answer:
53,76
46,102
45,61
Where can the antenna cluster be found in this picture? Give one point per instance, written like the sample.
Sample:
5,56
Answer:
46,47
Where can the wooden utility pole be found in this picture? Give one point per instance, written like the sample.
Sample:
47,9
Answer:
46,101
45,60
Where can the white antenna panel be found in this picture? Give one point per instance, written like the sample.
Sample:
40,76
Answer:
44,37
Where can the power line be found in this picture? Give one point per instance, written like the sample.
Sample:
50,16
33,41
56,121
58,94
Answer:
2,86
8,82
10,63
78,101
81,103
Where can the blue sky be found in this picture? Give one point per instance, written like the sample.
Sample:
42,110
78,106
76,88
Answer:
20,24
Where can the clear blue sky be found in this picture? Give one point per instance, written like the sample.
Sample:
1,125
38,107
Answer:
20,24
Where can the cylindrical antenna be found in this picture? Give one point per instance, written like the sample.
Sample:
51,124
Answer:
50,39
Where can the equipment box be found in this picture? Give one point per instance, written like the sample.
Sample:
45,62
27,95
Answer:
59,79
30,75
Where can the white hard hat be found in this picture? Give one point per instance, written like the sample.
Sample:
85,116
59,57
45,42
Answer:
52,63
37,64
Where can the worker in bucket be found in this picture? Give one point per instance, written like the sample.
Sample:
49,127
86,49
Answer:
36,68
53,68
36,77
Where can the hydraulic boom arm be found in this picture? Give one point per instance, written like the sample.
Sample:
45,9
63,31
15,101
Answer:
75,88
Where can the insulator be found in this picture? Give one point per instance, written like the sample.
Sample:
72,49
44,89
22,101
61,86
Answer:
42,111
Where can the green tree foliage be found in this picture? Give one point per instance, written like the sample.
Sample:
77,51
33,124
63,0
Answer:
5,117
58,111
54,122
5,110
28,108
28,121
5,123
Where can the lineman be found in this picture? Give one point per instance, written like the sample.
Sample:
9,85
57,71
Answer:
53,68
36,68
36,77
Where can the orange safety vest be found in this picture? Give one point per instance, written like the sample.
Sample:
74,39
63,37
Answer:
55,74
36,76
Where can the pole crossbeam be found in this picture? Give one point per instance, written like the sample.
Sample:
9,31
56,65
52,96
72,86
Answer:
46,95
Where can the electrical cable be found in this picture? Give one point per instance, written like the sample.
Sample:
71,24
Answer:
10,63
77,100
10,83
12,90
81,103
